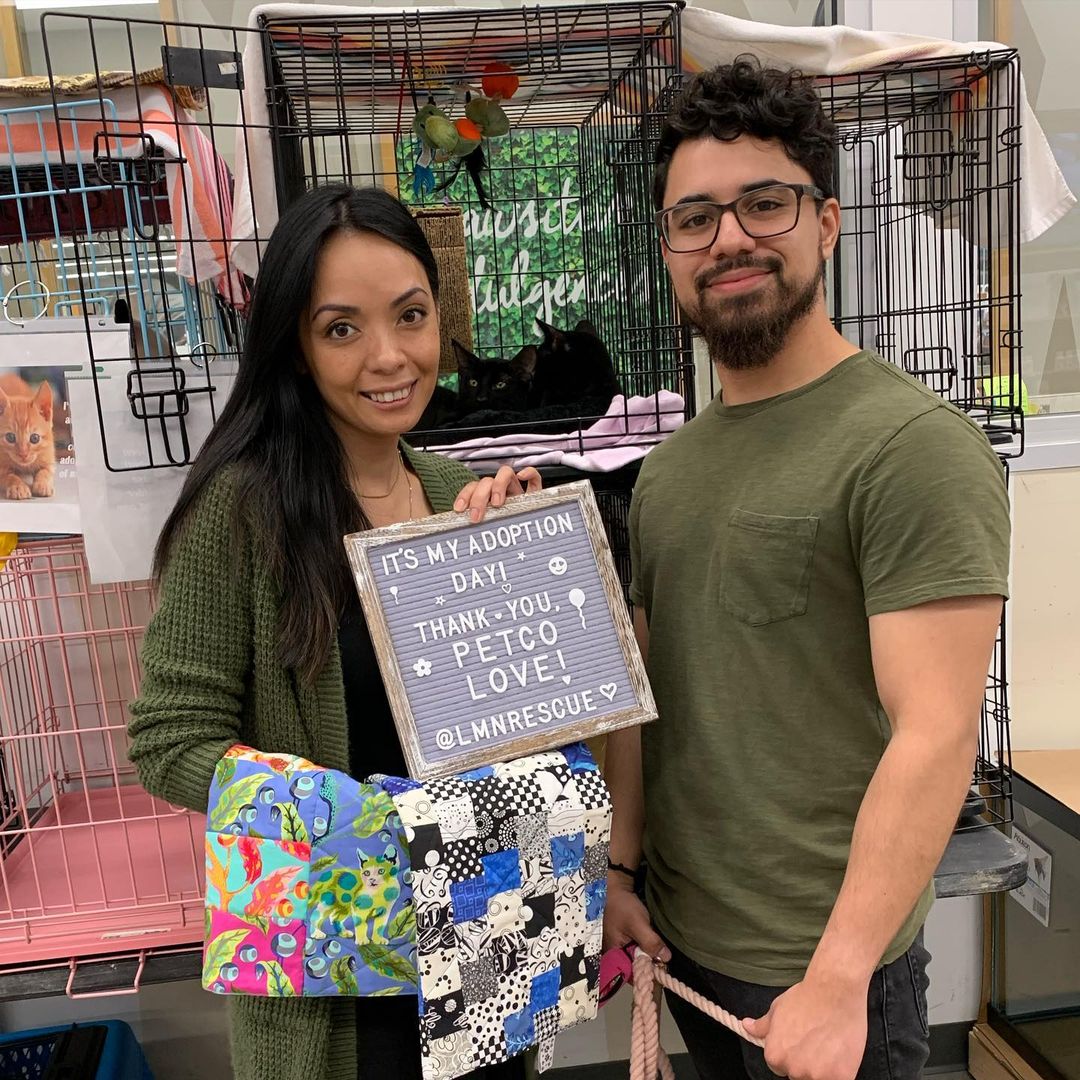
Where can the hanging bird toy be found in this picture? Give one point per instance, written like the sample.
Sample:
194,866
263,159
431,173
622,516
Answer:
461,140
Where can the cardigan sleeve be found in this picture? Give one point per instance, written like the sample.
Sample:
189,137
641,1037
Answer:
196,656
442,477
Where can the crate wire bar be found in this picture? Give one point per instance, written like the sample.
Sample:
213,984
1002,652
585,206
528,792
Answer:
89,862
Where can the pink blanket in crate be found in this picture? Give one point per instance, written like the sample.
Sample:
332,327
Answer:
631,427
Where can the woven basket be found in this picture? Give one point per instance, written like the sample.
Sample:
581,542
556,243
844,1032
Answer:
444,228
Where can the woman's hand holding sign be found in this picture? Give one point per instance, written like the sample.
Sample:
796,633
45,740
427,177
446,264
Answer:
477,496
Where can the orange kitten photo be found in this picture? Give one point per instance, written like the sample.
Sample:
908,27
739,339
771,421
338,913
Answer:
27,442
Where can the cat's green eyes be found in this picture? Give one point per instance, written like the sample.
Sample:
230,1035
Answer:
501,384
472,382
35,438
10,436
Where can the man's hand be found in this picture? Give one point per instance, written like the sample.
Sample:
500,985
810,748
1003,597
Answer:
815,1031
478,495
626,920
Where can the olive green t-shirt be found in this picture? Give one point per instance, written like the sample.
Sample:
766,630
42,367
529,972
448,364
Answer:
762,537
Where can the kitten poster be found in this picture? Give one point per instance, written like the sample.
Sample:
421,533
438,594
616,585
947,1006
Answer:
37,459
39,491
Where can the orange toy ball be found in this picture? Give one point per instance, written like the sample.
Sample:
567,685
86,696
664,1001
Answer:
468,130
499,81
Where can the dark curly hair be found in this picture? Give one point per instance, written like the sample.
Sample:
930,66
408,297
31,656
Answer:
744,98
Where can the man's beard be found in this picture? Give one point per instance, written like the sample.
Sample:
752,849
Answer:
744,332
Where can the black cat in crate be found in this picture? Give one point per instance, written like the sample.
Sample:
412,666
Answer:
493,386
573,368
568,376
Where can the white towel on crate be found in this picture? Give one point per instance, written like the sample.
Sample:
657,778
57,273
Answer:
710,38
630,428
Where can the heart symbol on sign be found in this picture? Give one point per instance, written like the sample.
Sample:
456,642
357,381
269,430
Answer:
608,690
566,679
507,587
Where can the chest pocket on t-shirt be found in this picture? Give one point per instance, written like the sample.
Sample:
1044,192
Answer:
767,566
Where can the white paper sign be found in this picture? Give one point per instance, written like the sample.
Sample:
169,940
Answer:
1034,894
122,512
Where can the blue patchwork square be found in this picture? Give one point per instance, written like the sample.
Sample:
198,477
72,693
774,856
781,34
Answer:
398,785
595,899
477,774
567,854
520,1032
469,899
545,990
578,758
502,872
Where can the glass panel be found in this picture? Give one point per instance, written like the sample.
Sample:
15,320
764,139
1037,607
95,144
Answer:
1046,32
1037,966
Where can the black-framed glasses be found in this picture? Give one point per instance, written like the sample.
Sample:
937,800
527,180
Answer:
763,212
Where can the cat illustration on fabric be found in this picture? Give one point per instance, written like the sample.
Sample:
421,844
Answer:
27,445
352,905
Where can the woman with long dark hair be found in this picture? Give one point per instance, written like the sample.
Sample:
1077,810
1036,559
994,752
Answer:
259,637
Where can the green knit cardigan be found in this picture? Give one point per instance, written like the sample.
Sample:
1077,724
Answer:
211,678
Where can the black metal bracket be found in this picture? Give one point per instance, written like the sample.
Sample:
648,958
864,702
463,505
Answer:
218,68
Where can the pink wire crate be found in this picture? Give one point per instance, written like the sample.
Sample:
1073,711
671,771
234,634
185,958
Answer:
89,862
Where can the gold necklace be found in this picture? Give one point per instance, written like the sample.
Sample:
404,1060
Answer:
393,484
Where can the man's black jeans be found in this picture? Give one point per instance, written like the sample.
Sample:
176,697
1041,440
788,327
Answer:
898,1037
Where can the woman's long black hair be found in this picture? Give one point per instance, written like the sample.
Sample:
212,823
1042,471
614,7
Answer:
274,429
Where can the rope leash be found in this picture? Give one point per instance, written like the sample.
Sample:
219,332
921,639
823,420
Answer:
647,1056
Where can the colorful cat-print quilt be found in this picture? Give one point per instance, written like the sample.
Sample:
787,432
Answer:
307,883
509,884
483,893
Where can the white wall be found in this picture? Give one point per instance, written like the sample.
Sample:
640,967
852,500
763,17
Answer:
1045,621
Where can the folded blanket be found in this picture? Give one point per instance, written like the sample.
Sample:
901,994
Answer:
483,892
307,883
509,883
631,427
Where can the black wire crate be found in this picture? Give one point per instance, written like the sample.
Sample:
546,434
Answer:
116,203
927,274
927,269
556,221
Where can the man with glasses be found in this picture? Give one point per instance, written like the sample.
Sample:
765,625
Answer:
819,564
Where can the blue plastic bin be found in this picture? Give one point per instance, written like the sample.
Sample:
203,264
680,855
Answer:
102,1050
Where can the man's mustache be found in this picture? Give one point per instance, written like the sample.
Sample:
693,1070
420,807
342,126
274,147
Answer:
769,264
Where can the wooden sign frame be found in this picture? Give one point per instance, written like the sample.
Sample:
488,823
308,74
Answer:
359,547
